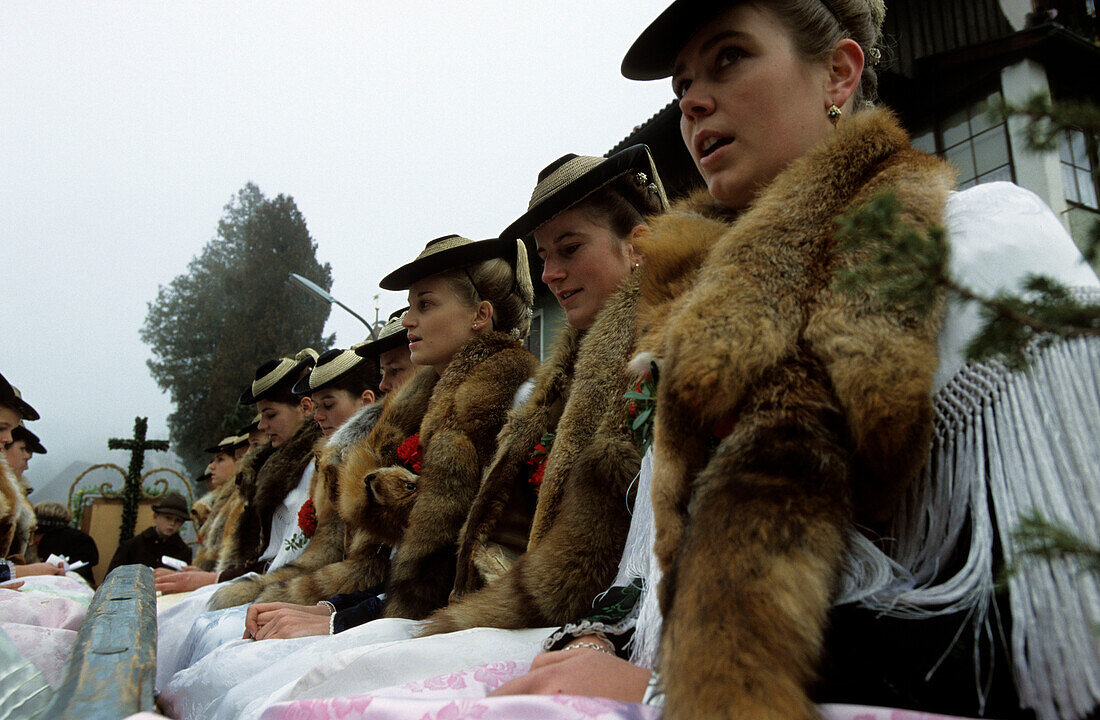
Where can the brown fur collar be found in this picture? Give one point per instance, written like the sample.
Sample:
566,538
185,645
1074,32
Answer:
458,436
596,399
581,520
506,477
829,401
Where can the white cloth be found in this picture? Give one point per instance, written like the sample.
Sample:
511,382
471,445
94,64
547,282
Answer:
186,632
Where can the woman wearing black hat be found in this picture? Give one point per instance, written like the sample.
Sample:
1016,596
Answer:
585,216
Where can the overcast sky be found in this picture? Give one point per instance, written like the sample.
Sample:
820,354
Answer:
125,127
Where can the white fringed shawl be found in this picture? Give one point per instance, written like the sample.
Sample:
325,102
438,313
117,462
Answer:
1005,444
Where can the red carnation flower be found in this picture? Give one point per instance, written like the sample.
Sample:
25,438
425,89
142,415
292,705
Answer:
409,453
307,518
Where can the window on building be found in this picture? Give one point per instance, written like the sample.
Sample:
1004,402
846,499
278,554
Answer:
1077,167
969,140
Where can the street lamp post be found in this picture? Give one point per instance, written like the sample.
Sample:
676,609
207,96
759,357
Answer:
318,291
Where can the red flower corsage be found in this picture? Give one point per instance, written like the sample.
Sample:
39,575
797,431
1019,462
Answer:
409,453
307,518
537,459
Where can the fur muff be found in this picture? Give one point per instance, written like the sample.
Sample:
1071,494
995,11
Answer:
829,400
370,524
457,439
581,518
262,490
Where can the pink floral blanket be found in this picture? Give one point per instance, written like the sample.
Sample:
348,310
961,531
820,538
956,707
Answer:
42,619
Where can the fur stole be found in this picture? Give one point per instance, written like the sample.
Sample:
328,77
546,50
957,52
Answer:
824,402
264,484
458,435
505,485
581,519
210,532
326,546
9,507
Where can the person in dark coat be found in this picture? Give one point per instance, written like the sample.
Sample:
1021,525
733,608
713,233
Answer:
161,539
57,537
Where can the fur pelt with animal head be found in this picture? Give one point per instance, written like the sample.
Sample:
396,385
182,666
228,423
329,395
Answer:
581,519
458,436
264,484
829,400
370,522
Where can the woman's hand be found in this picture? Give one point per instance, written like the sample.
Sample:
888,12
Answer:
12,585
37,569
580,671
184,581
267,621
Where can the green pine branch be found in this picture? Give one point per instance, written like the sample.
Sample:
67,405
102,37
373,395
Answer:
1036,536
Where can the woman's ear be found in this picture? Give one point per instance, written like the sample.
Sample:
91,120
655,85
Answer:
845,72
484,316
305,405
367,397
632,244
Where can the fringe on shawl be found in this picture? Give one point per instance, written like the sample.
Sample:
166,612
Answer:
1005,444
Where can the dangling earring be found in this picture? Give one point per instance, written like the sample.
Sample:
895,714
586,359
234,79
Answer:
834,114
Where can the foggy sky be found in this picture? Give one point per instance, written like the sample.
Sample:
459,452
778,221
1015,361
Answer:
125,127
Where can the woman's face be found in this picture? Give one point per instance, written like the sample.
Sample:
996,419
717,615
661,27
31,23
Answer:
583,262
9,419
332,407
750,103
279,421
18,456
396,368
222,469
438,322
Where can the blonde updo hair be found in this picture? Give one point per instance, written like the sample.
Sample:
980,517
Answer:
816,33
509,291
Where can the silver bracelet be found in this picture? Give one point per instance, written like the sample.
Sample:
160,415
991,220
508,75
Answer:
591,646
332,623
330,606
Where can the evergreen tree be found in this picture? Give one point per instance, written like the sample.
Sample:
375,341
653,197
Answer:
211,326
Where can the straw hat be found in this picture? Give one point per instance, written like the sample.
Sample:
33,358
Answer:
173,504
571,178
34,445
330,366
393,334
225,445
273,372
447,253
9,395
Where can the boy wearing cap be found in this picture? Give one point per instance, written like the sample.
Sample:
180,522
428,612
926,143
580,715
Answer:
148,547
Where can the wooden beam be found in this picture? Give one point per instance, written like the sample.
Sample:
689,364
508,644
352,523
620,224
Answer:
113,666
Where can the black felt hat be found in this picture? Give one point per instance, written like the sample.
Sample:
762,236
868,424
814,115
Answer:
251,427
571,178
29,439
9,395
273,372
393,334
653,54
447,253
330,366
